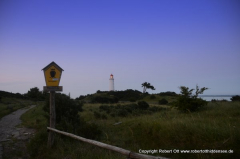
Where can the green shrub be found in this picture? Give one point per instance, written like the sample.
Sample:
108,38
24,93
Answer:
143,105
127,95
162,101
35,94
168,93
188,102
130,107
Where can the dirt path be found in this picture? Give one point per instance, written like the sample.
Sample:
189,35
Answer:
9,132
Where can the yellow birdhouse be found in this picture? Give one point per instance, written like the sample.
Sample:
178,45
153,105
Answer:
52,74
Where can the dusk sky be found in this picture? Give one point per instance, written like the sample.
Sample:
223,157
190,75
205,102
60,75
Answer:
168,43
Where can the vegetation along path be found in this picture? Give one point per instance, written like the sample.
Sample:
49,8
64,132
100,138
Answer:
9,131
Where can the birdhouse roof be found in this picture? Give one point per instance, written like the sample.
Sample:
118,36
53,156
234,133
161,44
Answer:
52,63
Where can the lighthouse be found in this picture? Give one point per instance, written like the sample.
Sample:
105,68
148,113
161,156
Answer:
111,83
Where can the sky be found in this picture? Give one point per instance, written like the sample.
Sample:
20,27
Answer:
168,43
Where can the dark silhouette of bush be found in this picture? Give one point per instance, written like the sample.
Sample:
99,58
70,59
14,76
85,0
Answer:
13,95
187,102
36,95
163,101
81,97
213,100
143,105
68,119
235,98
168,93
127,95
113,96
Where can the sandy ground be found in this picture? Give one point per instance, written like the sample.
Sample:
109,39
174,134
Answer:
12,139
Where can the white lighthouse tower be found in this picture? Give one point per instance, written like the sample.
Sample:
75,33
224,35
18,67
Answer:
111,83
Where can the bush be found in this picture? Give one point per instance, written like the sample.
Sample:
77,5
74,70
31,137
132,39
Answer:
168,93
162,101
121,112
81,97
67,117
143,105
188,102
235,98
213,100
35,94
127,95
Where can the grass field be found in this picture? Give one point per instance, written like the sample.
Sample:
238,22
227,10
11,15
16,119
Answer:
215,127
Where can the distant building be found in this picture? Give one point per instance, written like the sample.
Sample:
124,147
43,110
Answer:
111,83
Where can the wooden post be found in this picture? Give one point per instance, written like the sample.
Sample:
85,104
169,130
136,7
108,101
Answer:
52,73
52,119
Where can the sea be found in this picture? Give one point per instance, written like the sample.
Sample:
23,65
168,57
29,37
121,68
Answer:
216,97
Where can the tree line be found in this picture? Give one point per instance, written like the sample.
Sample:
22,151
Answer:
114,96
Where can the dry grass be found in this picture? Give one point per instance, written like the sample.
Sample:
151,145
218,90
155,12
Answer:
214,127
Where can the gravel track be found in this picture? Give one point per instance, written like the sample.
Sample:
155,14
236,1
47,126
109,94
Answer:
8,128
